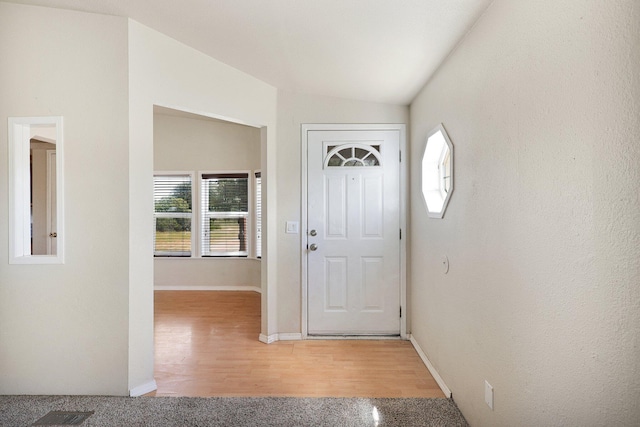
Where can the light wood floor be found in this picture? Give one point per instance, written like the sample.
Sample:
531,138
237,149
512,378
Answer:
206,344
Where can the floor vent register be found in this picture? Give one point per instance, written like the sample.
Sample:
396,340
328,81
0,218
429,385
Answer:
63,418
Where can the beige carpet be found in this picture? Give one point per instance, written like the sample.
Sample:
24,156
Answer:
268,411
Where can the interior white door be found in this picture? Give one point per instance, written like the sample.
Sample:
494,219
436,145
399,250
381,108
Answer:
52,204
353,236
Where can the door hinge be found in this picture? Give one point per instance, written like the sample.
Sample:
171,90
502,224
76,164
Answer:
400,311
401,234
400,156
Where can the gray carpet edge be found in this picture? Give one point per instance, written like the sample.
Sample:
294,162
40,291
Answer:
20,411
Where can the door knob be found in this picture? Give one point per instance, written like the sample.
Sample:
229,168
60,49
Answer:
313,247
313,232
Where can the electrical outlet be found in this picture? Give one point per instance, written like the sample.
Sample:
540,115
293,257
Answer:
488,394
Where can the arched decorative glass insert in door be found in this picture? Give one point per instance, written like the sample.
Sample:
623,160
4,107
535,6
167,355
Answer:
352,154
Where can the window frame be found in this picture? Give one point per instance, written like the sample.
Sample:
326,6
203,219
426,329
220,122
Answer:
437,170
205,216
191,215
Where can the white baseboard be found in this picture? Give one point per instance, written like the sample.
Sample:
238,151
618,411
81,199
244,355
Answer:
290,337
268,339
143,389
206,288
430,367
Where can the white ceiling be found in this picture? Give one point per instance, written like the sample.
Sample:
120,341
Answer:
372,50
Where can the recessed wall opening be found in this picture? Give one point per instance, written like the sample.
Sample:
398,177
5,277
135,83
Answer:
207,218
36,190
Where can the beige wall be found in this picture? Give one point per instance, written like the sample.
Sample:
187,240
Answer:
543,229
167,73
191,145
293,111
63,328
188,144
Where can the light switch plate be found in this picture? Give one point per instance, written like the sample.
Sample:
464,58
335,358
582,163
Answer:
488,394
292,227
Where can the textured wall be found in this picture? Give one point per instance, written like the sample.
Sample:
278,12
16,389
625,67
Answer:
167,73
63,328
293,111
192,145
187,144
543,230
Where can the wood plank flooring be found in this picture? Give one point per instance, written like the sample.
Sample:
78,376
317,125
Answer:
206,344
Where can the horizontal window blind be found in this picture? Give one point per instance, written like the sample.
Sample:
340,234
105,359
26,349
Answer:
225,210
258,193
172,215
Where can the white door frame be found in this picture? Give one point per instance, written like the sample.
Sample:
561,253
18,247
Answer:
401,128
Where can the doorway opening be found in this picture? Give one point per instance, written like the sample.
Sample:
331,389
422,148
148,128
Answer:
207,208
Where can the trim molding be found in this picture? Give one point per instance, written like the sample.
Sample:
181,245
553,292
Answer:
355,337
206,288
269,339
430,367
290,337
143,389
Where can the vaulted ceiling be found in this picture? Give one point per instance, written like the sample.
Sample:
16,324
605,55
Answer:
371,50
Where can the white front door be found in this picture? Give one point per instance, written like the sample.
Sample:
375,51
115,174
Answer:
353,232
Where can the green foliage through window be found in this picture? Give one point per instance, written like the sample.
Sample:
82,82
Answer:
172,207
225,210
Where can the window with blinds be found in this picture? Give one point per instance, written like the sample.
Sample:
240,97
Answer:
172,215
225,210
258,193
